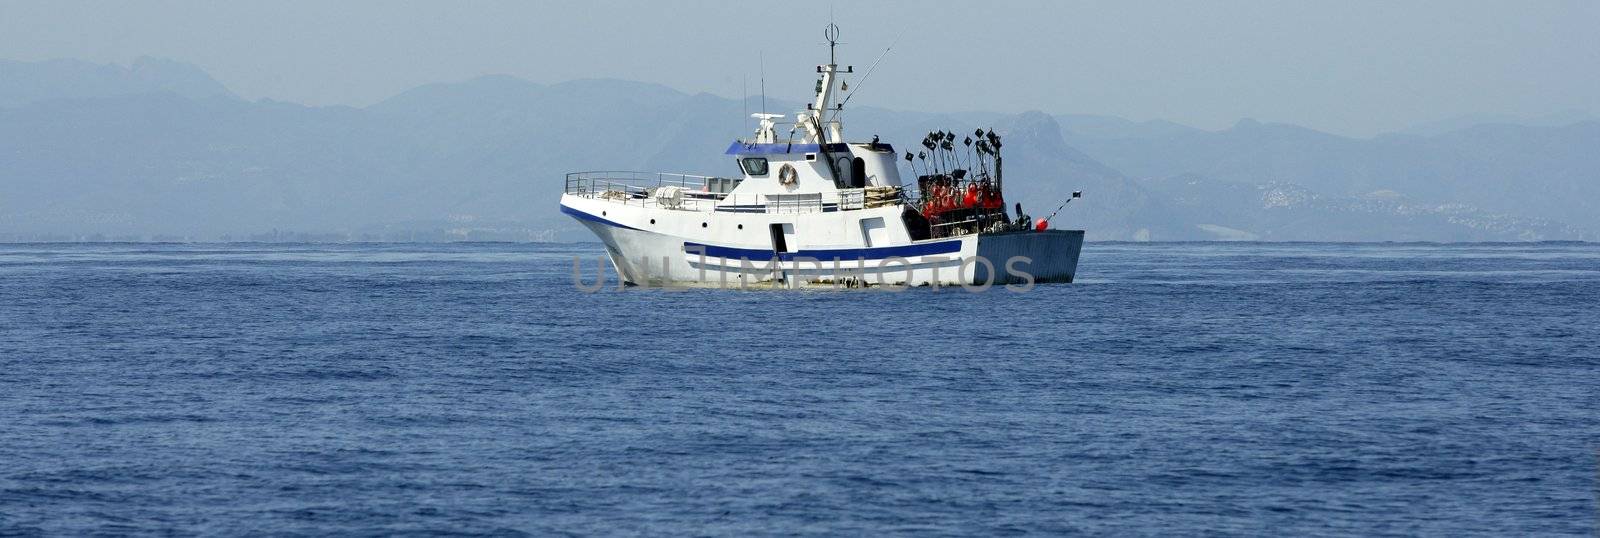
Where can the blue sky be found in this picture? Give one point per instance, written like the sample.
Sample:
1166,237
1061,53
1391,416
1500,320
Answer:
1348,67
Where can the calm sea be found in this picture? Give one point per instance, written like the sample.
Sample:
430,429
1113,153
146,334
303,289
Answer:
1175,388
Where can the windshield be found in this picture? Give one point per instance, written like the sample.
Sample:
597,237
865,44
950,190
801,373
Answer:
755,166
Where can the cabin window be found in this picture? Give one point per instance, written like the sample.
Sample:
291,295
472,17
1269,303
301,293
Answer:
755,166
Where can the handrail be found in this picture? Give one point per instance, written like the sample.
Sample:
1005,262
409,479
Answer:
576,181
709,193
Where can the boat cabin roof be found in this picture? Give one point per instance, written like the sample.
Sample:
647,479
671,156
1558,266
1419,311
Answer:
742,148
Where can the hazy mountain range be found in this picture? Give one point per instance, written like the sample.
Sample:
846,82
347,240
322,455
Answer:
160,150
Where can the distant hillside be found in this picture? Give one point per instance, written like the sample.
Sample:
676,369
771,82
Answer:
1542,173
22,83
1283,211
160,149
1559,119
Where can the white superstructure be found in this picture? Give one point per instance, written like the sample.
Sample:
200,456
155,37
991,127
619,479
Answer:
809,207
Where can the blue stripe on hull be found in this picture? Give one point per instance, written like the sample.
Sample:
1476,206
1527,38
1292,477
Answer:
879,253
826,208
825,269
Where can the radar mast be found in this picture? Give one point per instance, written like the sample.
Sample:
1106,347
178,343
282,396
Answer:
829,86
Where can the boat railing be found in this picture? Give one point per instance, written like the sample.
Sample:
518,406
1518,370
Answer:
973,222
955,228
598,183
710,193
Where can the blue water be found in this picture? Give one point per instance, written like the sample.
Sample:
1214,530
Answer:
1175,388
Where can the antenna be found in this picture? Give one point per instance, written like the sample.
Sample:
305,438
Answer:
763,62
832,33
1075,194
744,101
869,73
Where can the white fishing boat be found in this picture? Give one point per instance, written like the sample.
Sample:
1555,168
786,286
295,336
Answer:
810,208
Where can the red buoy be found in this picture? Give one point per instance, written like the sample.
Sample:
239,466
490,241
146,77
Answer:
1042,225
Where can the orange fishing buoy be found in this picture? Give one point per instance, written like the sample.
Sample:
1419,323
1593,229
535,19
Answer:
972,198
1042,225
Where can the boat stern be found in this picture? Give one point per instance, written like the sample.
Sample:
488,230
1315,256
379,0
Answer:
1049,255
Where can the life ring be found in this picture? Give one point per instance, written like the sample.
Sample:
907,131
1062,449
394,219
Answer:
787,176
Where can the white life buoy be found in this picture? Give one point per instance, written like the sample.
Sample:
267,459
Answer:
787,175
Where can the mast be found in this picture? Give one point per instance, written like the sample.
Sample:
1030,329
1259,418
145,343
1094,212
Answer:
818,129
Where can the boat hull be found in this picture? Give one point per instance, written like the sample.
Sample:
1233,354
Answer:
1052,254
678,256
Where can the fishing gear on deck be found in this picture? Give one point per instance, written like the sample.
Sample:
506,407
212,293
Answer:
1075,195
959,187
949,149
968,143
